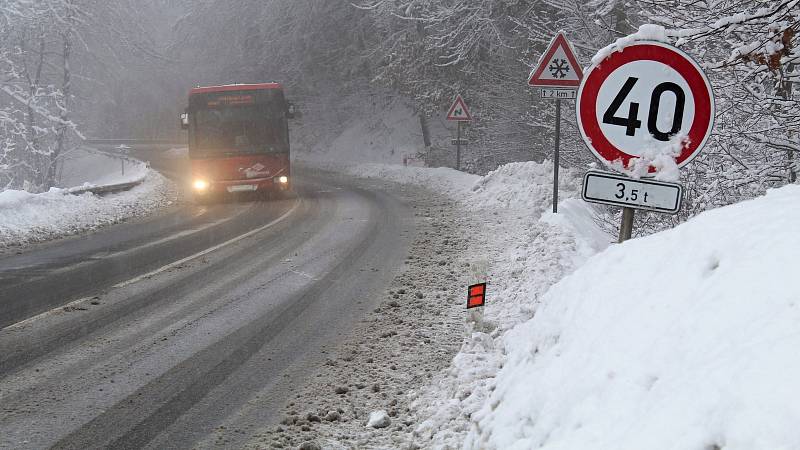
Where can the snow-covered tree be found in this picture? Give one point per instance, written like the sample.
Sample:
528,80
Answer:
45,47
749,50
34,50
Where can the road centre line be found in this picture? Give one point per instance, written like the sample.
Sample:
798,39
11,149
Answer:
210,249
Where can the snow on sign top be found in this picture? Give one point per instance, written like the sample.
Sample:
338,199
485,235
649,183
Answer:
459,111
558,66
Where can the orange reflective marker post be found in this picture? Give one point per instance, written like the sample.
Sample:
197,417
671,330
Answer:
476,295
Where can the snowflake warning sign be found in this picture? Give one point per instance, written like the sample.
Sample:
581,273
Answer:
557,67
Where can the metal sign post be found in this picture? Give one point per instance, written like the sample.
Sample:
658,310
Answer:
459,113
458,146
626,227
558,74
556,156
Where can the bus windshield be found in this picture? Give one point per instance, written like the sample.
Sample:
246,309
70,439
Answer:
239,130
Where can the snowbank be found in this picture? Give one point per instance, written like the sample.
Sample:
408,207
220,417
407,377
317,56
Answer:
26,217
521,248
524,186
684,339
456,185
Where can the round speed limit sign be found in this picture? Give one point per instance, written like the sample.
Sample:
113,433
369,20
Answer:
648,96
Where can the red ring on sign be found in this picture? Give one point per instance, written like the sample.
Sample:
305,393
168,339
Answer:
701,92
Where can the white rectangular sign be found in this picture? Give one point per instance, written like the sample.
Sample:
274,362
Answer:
619,190
559,93
242,188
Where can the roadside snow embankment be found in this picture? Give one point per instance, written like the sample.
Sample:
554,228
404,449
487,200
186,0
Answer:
521,249
449,182
683,339
27,218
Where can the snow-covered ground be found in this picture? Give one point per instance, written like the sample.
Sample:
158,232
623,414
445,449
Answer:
27,218
521,249
515,243
678,340
683,339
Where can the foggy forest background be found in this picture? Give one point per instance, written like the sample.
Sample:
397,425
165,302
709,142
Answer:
71,69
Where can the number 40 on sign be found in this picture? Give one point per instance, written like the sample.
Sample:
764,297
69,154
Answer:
638,99
648,98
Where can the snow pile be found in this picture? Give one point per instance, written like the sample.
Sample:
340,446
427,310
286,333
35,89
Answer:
521,248
525,249
683,339
378,419
26,217
525,186
454,184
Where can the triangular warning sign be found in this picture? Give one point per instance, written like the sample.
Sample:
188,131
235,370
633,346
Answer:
459,111
558,66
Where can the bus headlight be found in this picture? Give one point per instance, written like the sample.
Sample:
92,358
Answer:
283,179
200,185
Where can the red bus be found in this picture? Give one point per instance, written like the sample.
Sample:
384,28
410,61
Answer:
238,139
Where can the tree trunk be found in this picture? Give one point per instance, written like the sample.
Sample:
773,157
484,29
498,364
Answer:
426,132
30,170
61,139
787,94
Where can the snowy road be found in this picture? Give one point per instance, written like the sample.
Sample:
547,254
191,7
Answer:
160,360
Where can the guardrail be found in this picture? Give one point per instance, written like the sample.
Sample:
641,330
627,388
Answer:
106,189
117,187
135,141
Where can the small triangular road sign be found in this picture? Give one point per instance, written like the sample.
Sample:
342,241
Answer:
558,66
459,111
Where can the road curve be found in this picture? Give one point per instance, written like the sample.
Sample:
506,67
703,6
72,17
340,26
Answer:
189,319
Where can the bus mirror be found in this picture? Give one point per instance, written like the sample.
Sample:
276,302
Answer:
291,111
185,121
